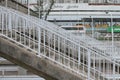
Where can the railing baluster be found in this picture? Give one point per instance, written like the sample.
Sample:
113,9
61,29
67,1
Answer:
24,31
64,51
83,61
2,22
44,40
10,24
6,20
54,45
39,41
49,39
89,64
113,69
33,33
29,33
58,48
20,26
94,59
79,55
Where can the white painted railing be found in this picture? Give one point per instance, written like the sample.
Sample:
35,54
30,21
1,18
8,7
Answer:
53,43
61,31
104,46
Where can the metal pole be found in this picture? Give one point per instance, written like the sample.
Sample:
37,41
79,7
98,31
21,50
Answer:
114,70
44,41
39,41
112,32
9,23
89,64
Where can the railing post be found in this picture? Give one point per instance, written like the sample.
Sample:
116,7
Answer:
79,55
39,41
2,21
89,64
44,41
9,23
114,70
54,46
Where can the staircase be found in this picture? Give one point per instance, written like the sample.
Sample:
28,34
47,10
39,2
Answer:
49,51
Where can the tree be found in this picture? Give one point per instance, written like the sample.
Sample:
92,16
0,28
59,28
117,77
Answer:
50,7
44,12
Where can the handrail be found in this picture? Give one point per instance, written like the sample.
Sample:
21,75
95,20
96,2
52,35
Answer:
70,37
63,35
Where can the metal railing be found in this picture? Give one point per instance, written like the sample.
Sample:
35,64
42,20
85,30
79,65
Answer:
57,30
104,46
53,43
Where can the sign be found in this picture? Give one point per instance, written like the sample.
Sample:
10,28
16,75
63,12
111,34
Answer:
116,29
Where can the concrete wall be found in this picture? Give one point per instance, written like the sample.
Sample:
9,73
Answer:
40,66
